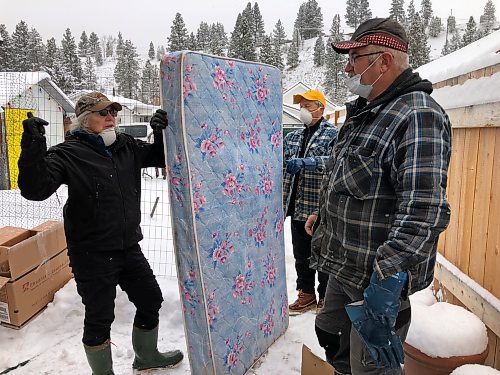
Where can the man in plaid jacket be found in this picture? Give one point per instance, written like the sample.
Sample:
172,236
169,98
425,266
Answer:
383,203
305,152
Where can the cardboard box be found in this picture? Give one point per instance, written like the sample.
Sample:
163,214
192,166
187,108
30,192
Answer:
313,365
22,250
34,264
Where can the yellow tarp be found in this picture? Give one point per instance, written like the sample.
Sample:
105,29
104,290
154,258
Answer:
14,129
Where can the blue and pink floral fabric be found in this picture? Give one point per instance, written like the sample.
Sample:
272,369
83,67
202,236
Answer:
224,160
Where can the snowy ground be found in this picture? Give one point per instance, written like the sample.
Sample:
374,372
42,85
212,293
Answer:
51,343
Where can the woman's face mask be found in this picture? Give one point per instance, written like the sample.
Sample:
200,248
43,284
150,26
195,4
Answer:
108,136
355,86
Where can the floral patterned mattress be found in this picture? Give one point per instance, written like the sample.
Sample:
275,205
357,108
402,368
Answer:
224,160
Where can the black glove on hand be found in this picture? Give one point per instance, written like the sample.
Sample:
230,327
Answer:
159,121
34,126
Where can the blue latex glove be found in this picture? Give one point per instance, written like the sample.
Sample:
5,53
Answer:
294,166
375,316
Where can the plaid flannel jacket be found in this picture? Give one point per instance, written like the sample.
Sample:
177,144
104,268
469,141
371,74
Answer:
383,200
320,147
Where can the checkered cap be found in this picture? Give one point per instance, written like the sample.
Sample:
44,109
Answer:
376,31
95,101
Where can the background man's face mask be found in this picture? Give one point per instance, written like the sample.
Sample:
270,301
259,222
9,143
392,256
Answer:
307,117
355,86
108,136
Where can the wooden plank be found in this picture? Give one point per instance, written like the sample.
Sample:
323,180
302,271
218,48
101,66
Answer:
480,216
454,189
470,297
492,268
492,343
475,116
467,199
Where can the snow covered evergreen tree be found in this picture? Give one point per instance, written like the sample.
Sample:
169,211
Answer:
20,39
151,51
309,21
470,34
83,45
177,41
160,52
95,49
119,44
410,15
335,64
456,41
150,84
217,39
5,50
488,18
71,61
397,11
266,51
293,51
52,53
203,36
89,76
418,47
451,24
426,12
109,45
319,52
242,44
278,39
259,31
357,11
60,73
35,49
192,43
127,71
435,27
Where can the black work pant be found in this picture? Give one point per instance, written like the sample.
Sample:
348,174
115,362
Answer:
306,276
98,273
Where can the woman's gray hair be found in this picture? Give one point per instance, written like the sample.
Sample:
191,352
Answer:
80,122
401,59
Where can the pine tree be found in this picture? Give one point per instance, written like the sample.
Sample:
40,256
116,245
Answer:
451,24
397,11
470,34
71,61
319,52
426,12
83,45
418,48
259,31
35,49
309,21
456,41
410,15
192,43
52,53
127,71
60,73
488,18
217,38
335,65
242,44
278,39
203,36
266,51
20,39
160,52
109,42
5,50
119,44
435,27
150,84
293,52
151,52
89,76
177,41
357,11
95,48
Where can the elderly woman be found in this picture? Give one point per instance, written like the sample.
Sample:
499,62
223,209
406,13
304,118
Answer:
102,217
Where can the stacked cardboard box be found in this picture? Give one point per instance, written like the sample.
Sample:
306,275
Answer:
34,265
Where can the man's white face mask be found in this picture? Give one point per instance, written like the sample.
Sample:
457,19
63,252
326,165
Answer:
307,117
108,136
355,86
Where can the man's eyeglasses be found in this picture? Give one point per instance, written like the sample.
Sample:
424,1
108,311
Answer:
105,112
352,59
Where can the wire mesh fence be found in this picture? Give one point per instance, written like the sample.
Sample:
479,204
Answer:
35,92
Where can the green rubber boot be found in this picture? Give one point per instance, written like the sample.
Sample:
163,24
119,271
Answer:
147,355
99,358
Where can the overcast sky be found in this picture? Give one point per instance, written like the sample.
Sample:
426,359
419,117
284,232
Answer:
143,21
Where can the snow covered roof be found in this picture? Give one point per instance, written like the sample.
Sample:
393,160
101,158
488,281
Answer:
477,55
15,83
